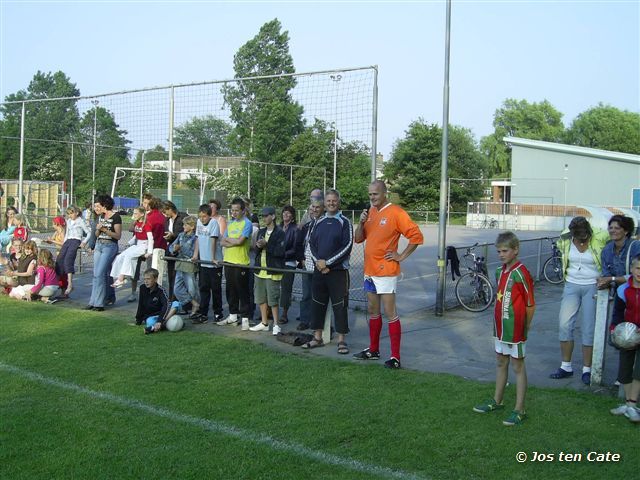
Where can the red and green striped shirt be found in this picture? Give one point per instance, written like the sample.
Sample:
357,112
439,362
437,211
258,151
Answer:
514,295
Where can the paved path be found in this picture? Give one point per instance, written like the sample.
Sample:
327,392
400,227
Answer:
459,343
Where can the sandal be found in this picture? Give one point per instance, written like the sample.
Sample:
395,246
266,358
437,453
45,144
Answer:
343,348
315,343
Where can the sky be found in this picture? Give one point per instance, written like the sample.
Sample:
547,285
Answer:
575,54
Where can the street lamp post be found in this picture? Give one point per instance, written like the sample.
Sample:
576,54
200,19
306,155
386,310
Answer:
93,168
336,79
566,178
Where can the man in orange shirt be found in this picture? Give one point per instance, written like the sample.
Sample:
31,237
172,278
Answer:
381,226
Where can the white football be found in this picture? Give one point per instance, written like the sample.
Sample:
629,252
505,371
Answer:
626,335
175,323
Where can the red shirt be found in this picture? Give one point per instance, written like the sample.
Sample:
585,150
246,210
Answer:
141,229
155,220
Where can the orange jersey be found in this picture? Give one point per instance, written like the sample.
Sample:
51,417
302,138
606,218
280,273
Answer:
382,232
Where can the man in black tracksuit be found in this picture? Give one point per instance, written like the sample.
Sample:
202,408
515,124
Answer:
330,244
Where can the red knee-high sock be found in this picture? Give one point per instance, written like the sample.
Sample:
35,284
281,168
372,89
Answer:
395,332
375,327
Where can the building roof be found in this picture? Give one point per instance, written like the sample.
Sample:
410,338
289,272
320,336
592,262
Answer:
573,150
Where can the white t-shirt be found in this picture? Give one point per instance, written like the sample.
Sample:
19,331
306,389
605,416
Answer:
582,268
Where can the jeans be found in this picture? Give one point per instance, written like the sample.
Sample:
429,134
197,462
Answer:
237,290
305,302
185,288
101,289
210,286
286,287
577,298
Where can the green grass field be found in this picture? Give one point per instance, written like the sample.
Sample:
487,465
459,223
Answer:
84,395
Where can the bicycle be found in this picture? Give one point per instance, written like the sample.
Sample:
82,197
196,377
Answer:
552,268
489,222
473,289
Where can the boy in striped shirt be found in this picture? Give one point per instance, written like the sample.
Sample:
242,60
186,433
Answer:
513,313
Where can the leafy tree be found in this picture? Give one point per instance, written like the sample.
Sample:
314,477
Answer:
607,128
266,117
413,170
536,121
52,122
203,136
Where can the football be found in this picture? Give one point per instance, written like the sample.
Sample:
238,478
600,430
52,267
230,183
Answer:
175,323
626,336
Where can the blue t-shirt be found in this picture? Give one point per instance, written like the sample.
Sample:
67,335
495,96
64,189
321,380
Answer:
205,233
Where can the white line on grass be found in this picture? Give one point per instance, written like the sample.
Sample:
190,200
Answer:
210,425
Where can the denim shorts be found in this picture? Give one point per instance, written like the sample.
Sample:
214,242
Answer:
577,299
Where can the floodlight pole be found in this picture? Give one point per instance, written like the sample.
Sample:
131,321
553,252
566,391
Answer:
93,168
71,178
566,179
142,175
336,79
442,214
21,174
170,175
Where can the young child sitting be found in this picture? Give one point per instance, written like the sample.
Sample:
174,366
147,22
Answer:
46,284
20,231
185,287
25,264
7,280
153,304
140,244
629,367
513,313
59,230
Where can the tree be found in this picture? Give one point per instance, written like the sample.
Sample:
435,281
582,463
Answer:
203,136
51,122
607,128
413,170
536,121
266,117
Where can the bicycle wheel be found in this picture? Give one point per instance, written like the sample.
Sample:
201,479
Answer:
552,270
474,292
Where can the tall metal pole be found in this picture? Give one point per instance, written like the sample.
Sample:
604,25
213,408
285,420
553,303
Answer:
170,176
248,180
442,224
93,168
336,79
374,128
142,176
71,179
21,174
291,185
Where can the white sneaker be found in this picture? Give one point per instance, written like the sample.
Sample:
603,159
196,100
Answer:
261,327
232,319
619,410
276,330
245,324
632,414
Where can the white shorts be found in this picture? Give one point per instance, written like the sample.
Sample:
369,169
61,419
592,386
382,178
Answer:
515,350
380,285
